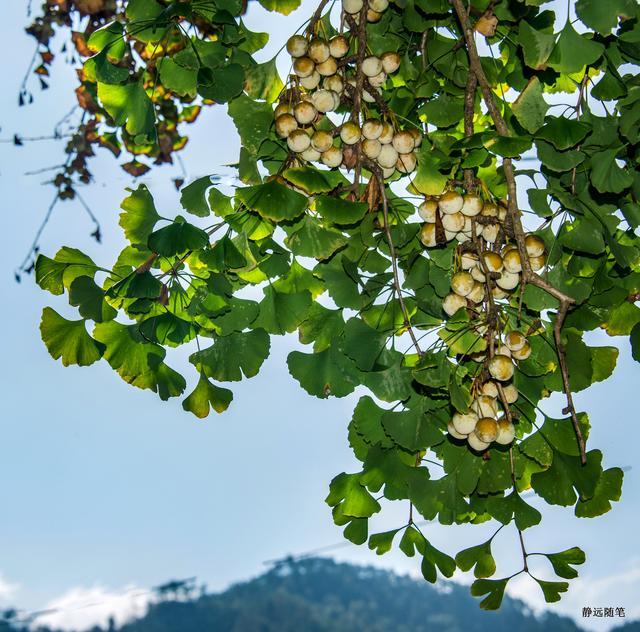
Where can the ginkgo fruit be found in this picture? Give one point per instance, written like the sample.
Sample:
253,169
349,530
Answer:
475,443
450,202
486,429
506,432
534,245
452,302
501,367
297,46
428,238
462,283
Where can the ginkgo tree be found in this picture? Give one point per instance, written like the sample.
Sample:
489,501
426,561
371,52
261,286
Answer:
385,217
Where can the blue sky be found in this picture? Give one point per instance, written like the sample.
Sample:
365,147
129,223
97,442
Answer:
107,489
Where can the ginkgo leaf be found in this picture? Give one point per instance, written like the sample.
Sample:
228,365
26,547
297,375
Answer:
205,396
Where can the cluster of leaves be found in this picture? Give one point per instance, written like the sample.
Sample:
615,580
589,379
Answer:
301,249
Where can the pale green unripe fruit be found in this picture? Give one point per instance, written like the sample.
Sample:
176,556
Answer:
510,393
352,6
282,108
318,50
511,259
390,62
303,67
462,283
451,429
373,16
464,423
403,142
311,82
490,232
478,274
311,155
333,83
506,432
328,68
468,260
477,293
504,350
332,157
492,261
371,148
477,444
285,124
387,134
338,46
490,389
321,140
515,340
537,263
406,163
508,280
501,368
453,222
428,211
534,246
350,133
450,202
428,238
305,112
471,205
298,141
485,406
297,46
523,353
388,157
486,429
371,66
452,302
324,100
372,129
379,5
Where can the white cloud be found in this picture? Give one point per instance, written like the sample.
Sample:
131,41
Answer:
81,608
7,590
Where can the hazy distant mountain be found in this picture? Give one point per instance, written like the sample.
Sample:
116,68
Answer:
320,595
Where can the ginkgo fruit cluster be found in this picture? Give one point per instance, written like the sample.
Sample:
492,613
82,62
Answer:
329,78
488,269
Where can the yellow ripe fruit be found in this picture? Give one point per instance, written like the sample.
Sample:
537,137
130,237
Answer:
489,209
523,353
511,259
334,83
371,148
515,340
476,444
328,68
493,261
297,46
372,129
452,302
350,133
485,406
489,388
373,16
390,62
498,292
471,205
504,350
371,66
450,202
486,429
468,260
534,245
318,50
338,46
311,82
406,163
387,134
477,293
428,211
379,5
388,157
298,141
428,236
501,368
462,283
321,141
464,423
510,393
508,280
537,263
282,108
352,6
453,222
285,124
506,432
324,100
332,157
490,232
478,274
403,142
305,112
303,67
417,136
310,155
387,172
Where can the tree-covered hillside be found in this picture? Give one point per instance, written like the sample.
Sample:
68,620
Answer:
321,595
